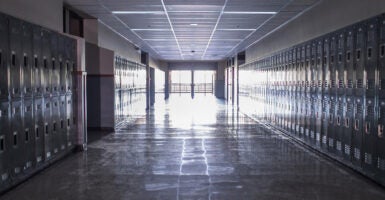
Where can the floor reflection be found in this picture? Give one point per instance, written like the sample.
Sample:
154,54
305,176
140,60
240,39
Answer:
197,148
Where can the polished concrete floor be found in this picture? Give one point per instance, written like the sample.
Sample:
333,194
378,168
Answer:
195,149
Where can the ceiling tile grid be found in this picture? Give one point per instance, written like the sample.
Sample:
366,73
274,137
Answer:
193,29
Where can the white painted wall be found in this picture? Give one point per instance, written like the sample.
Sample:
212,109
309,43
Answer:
47,13
324,18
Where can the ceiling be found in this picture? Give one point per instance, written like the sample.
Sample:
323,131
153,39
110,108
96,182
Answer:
193,29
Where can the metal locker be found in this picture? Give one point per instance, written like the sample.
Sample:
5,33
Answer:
333,66
338,124
26,58
55,71
17,139
39,126
348,128
28,134
62,62
55,121
71,121
359,60
36,62
48,136
63,123
380,144
340,63
357,131
4,52
46,61
331,126
5,142
15,57
349,62
370,135
371,58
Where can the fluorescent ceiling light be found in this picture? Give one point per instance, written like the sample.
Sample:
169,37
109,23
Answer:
192,11
240,29
150,29
249,13
138,12
193,24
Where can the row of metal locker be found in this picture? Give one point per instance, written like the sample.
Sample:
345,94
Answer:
34,61
37,123
328,92
130,88
128,74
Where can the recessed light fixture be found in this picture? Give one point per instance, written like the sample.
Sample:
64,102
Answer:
138,12
249,13
193,24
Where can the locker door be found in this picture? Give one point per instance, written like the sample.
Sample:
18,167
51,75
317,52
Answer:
4,52
350,75
26,58
36,61
348,128
28,134
331,127
55,121
71,122
39,130
63,123
17,139
46,62
48,136
357,131
371,121
359,60
15,34
380,146
55,71
325,92
63,62
5,142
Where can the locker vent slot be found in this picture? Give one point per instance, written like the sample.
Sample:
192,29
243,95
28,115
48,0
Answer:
370,84
358,54
369,52
359,83
25,61
350,84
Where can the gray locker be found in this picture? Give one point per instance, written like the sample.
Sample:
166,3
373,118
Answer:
71,121
359,60
15,56
63,123
63,61
17,139
348,128
357,131
55,121
332,127
370,136
28,134
48,133
340,63
26,59
5,142
371,58
380,144
39,130
46,61
349,62
55,61
36,62
4,52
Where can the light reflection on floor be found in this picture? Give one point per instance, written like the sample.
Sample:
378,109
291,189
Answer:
195,149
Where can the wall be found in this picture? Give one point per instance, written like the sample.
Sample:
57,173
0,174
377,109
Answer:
220,80
108,39
326,17
27,10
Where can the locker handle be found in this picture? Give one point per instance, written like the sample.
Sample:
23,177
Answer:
380,130
382,50
347,122
367,127
369,52
338,121
356,125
